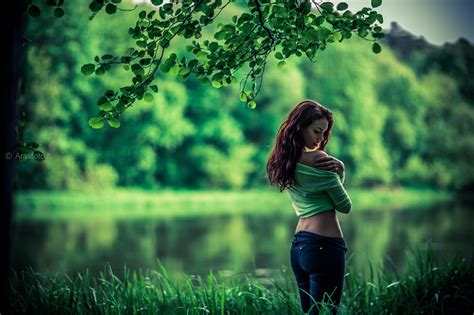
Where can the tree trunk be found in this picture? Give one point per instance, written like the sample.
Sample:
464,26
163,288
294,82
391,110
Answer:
12,55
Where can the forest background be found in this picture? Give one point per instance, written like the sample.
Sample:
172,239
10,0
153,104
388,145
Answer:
402,117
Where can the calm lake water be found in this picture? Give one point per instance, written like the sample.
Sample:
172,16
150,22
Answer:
236,243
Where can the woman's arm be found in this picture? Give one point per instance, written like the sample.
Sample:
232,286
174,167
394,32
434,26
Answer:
330,163
339,196
334,188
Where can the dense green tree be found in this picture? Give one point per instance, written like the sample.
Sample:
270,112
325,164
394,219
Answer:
448,150
404,129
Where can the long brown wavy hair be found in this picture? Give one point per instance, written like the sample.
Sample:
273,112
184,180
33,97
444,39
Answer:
289,142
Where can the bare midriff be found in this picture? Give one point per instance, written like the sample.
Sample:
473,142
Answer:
324,223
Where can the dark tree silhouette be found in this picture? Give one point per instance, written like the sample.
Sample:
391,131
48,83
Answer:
12,24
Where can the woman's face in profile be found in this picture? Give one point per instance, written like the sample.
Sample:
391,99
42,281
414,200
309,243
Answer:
314,133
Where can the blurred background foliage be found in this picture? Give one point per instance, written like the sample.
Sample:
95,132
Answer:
400,119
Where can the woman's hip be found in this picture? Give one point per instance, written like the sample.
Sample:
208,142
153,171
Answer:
316,253
306,237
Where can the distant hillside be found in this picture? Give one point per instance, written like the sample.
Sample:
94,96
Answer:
456,60
404,43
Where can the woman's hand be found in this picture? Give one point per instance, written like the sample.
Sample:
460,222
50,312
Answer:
331,164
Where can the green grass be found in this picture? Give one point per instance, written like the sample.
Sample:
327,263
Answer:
126,203
427,288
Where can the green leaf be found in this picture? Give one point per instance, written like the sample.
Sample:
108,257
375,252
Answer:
96,122
216,84
342,6
145,61
138,70
156,2
88,69
371,19
201,56
177,28
100,70
379,18
312,34
120,107
306,7
376,3
110,8
109,93
102,100
328,6
154,88
58,12
376,48
378,35
320,20
243,97
166,66
151,14
363,32
251,104
336,37
107,106
279,56
141,43
148,97
172,57
324,32
281,65
114,122
95,6
221,35
34,11
184,71
218,76
213,46
174,70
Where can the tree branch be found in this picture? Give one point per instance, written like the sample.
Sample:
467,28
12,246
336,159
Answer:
260,18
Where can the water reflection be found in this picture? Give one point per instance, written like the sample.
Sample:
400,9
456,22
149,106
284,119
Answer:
238,243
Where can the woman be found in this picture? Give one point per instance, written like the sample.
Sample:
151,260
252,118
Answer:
313,180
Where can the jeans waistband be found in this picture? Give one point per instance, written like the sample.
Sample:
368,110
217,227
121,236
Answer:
308,236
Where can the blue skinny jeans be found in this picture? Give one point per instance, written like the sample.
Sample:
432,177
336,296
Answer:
318,263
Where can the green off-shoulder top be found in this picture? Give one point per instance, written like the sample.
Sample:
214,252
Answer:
316,191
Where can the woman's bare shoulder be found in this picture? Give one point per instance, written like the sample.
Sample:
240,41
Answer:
319,153
309,158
